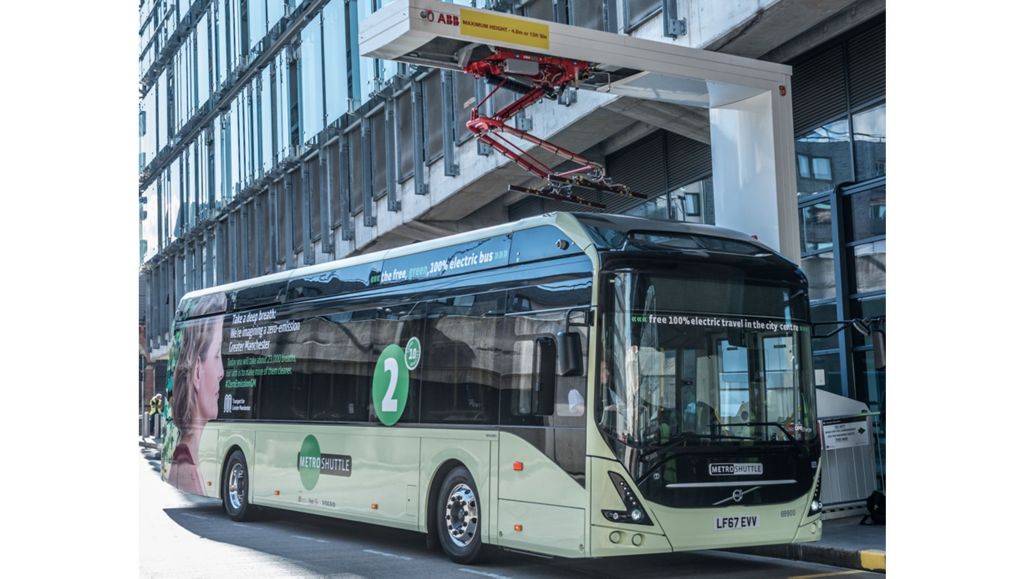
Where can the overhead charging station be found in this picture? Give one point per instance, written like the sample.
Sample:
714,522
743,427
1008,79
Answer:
748,101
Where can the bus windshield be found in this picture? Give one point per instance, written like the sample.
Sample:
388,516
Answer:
720,360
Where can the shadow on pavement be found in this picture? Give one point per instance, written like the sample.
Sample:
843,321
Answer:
324,545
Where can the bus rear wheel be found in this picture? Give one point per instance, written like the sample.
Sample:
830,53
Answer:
235,491
459,524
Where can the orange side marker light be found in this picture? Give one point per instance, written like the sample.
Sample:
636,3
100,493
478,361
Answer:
517,465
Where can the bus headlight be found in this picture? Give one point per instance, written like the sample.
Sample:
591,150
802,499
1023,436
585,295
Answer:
815,507
633,513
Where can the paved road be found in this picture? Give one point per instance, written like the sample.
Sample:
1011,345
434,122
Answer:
184,536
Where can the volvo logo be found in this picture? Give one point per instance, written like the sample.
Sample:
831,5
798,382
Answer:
736,496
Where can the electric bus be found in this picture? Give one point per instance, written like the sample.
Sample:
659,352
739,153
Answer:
571,384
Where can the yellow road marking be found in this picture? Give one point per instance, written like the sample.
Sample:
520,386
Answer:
873,560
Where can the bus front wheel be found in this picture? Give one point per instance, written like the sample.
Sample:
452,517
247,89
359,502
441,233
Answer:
459,525
236,488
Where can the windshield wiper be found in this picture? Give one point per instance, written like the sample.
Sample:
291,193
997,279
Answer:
780,426
685,437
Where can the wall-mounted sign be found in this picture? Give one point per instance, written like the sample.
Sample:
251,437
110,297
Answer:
845,432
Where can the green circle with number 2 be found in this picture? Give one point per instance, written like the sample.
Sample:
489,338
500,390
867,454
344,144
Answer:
390,385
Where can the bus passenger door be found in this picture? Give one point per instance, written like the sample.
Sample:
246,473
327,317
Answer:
542,455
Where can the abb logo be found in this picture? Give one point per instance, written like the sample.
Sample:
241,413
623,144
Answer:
440,17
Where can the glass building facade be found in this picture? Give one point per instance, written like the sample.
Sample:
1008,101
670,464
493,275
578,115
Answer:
266,143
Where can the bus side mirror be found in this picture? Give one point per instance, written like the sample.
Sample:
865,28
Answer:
570,354
878,344
544,360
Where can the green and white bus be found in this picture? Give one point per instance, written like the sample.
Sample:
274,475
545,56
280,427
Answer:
572,384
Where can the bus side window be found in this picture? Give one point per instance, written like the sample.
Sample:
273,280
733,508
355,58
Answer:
459,374
534,377
534,392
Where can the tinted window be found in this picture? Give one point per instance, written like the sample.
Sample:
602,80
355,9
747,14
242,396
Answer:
261,295
284,398
519,344
328,283
562,294
459,371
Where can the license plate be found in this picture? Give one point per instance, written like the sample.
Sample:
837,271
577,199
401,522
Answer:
734,523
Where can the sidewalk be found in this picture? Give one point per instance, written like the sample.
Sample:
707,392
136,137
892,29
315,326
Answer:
844,543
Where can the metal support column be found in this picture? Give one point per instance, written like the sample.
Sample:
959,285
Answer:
390,156
369,219
451,168
418,140
306,216
326,202
345,181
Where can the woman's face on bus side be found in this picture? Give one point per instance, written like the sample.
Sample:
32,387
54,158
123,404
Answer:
211,372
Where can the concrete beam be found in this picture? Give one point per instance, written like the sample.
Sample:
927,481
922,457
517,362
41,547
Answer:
689,122
771,26
852,16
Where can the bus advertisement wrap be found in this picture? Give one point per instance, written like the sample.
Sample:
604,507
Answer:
459,375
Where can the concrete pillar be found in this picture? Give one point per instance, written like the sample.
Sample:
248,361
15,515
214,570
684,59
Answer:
754,178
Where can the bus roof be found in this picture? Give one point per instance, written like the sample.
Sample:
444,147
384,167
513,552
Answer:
586,230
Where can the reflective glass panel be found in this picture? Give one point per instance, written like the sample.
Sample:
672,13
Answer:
870,383
161,111
275,10
312,81
203,46
221,33
687,202
827,374
816,226
335,61
869,266
866,214
821,275
234,131
824,313
218,165
258,19
823,158
266,122
148,213
656,208
174,210
869,142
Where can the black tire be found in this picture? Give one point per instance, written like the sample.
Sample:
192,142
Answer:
235,488
458,516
